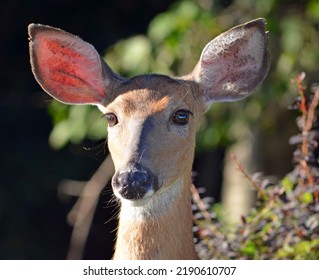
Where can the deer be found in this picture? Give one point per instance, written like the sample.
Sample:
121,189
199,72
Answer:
152,123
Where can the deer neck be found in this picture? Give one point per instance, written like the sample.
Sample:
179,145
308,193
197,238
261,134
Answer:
162,229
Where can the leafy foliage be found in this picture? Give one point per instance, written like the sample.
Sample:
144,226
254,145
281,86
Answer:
75,123
173,44
285,222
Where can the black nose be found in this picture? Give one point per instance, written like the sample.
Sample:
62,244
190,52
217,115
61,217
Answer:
134,182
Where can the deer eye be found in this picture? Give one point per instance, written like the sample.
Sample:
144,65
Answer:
181,117
111,119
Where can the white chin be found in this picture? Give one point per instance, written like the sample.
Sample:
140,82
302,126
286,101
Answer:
135,202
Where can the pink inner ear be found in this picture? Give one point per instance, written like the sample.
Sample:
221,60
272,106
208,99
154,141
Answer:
69,69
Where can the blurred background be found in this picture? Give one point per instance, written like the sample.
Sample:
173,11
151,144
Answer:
43,142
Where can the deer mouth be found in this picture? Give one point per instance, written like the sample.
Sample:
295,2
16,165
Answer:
134,182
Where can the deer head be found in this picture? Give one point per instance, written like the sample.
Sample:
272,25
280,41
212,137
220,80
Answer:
152,119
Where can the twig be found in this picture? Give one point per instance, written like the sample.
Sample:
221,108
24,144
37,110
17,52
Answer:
312,111
205,213
260,191
82,213
307,122
303,108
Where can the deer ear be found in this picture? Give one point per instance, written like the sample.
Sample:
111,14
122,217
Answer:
67,68
234,63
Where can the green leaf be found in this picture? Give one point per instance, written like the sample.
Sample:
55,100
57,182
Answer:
306,198
313,9
287,183
161,27
60,135
249,249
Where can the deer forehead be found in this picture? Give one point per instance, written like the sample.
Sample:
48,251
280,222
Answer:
149,95
140,102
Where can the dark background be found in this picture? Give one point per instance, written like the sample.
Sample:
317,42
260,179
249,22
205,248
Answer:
32,217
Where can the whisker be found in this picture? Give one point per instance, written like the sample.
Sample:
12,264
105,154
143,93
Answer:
114,216
184,96
139,160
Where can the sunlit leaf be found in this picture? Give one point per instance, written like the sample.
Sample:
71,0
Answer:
249,249
60,135
306,198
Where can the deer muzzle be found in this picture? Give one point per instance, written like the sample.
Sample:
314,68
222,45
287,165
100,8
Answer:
134,182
